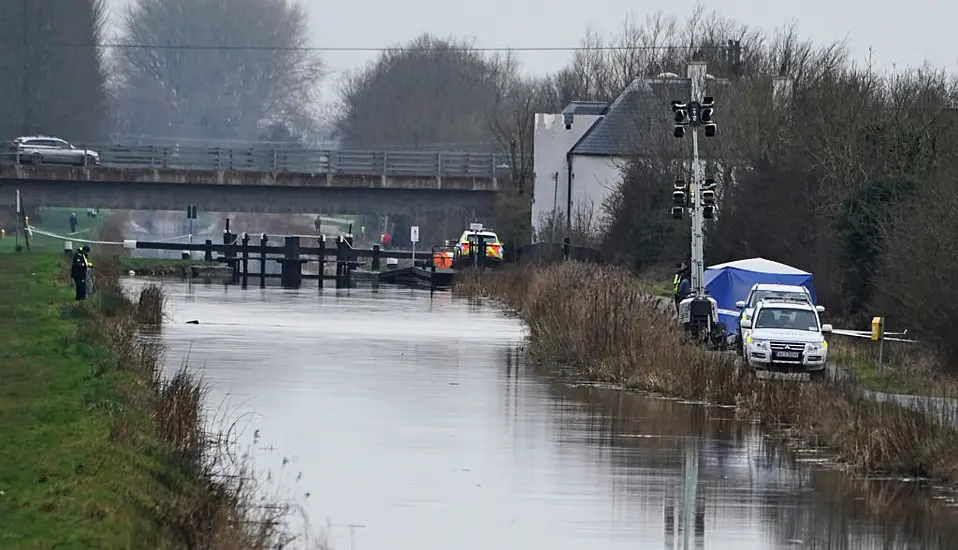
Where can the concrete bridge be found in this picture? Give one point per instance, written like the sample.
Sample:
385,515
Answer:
264,181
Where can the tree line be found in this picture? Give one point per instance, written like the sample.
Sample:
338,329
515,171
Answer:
229,70
849,174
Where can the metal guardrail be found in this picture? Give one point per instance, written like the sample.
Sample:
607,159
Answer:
297,161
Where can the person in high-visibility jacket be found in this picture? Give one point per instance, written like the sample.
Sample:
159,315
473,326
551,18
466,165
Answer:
681,272
78,271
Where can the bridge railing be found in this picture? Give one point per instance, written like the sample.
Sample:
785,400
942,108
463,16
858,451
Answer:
299,161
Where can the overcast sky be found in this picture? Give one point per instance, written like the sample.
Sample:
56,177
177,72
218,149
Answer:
899,33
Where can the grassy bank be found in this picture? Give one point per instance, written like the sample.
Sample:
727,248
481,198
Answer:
161,267
55,220
602,324
98,451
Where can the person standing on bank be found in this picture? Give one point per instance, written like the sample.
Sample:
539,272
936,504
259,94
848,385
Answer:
79,270
676,281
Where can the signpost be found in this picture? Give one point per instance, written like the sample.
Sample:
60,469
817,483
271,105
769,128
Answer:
19,218
414,238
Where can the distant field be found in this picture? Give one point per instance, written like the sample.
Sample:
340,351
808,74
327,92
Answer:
56,220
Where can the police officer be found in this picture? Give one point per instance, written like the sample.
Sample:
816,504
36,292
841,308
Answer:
680,270
78,271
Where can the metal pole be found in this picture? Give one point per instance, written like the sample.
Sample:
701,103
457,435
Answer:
696,74
881,343
19,220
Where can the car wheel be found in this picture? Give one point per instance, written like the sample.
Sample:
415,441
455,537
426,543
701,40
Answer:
817,375
36,158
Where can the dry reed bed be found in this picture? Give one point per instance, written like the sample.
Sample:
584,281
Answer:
220,505
600,322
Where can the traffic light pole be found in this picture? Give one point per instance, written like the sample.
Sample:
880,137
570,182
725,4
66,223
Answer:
696,74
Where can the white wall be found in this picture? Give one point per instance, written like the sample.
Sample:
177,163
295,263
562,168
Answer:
593,180
551,143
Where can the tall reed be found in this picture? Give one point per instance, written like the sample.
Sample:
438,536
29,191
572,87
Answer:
599,323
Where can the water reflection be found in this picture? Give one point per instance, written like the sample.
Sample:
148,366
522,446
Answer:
414,417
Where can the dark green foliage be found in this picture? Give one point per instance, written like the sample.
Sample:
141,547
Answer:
862,223
641,232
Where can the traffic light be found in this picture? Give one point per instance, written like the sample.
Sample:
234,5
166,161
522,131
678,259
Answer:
706,115
708,192
681,112
708,107
680,199
680,194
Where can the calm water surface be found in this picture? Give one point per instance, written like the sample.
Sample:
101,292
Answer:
412,418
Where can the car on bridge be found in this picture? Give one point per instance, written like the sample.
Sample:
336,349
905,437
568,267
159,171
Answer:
50,150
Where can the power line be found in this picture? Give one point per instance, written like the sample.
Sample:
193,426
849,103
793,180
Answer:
120,46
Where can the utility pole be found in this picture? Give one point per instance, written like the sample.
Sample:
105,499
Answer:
698,196
696,74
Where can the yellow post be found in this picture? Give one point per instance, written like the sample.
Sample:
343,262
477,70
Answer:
878,333
877,328
3,234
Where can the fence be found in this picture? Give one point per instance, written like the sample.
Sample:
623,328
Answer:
557,252
299,161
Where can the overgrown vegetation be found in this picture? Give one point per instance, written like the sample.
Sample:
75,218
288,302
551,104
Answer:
600,323
102,451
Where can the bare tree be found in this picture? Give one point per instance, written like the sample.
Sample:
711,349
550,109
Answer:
51,72
217,69
429,93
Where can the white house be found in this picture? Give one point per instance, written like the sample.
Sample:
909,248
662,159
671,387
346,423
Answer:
579,154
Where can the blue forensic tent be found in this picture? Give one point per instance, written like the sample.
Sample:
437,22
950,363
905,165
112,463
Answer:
730,282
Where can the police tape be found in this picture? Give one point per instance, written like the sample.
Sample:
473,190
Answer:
31,229
868,334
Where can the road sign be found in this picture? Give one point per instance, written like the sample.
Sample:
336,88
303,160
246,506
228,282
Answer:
414,234
191,212
475,227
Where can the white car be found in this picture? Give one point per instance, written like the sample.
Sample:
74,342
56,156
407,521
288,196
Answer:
51,150
786,336
765,291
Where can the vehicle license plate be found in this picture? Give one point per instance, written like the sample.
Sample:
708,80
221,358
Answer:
787,355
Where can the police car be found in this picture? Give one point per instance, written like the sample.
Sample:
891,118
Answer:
772,292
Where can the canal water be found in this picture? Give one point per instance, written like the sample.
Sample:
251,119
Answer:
404,419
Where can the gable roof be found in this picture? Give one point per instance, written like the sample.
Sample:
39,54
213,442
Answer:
639,119
586,108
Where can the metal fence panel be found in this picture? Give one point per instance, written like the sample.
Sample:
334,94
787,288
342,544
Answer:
298,160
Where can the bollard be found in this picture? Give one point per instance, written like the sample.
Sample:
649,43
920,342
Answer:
376,255
292,274
322,259
229,253
263,239
245,259
340,262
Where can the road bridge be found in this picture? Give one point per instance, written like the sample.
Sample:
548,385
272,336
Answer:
291,181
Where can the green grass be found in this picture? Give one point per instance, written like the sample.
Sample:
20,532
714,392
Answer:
160,267
56,220
68,480
893,378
